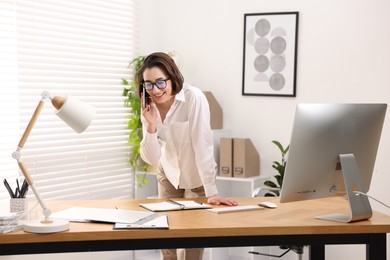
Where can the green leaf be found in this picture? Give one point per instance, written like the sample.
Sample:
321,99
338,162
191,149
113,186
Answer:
286,150
278,145
279,180
142,180
125,81
270,184
270,194
281,148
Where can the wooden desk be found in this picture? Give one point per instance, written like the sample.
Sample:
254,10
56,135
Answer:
289,224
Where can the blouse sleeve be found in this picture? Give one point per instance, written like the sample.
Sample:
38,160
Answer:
203,143
150,147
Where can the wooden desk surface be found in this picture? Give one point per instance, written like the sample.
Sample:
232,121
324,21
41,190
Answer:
294,218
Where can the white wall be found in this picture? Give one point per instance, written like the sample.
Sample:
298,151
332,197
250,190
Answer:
343,56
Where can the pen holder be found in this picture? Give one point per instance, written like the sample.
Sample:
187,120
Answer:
19,205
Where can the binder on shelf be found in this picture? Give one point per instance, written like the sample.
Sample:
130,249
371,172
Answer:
226,157
246,160
216,113
217,135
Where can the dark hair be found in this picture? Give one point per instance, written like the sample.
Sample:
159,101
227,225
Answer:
167,65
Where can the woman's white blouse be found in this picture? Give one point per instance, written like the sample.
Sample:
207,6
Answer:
184,142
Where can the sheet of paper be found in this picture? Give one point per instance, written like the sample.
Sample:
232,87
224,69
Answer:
161,206
83,214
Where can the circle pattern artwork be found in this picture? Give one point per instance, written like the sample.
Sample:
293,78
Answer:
270,45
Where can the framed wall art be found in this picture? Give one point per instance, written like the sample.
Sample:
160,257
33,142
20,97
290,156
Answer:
270,54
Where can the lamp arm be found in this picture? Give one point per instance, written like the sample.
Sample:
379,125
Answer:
46,211
31,124
17,155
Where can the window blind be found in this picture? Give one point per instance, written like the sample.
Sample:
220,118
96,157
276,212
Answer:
79,48
8,97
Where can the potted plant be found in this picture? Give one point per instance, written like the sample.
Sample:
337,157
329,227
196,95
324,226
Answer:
132,100
274,187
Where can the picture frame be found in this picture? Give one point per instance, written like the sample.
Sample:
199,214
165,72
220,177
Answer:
270,54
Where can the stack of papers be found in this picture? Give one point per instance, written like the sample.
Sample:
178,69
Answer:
121,217
9,222
8,218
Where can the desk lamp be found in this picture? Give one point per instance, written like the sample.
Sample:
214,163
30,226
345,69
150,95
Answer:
76,114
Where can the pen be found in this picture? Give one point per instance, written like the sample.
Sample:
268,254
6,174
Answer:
17,184
24,190
6,184
176,203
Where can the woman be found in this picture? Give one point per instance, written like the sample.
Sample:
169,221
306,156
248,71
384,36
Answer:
177,137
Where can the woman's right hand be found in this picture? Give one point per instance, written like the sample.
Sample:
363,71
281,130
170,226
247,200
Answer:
149,112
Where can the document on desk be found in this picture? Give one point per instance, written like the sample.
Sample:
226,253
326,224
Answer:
170,205
84,214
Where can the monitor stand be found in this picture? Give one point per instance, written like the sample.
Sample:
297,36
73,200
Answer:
358,204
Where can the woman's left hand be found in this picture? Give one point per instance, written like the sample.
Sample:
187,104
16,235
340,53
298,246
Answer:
216,200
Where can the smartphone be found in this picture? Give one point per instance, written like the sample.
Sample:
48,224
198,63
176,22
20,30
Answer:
145,96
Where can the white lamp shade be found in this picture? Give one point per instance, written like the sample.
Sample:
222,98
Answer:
76,114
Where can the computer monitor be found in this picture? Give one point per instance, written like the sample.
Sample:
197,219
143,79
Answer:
332,152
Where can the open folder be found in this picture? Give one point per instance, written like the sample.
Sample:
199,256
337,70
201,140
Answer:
122,218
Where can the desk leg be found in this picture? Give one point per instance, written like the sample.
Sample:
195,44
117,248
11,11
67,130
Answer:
317,252
376,247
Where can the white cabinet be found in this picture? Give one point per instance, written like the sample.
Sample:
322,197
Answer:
238,187
227,186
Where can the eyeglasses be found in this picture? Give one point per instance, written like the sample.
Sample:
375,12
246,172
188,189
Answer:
160,84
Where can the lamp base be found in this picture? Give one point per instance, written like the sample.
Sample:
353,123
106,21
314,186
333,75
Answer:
56,225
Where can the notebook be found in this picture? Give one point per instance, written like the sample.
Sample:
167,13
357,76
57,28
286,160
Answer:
170,205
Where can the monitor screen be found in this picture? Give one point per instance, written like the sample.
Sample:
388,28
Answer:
323,132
